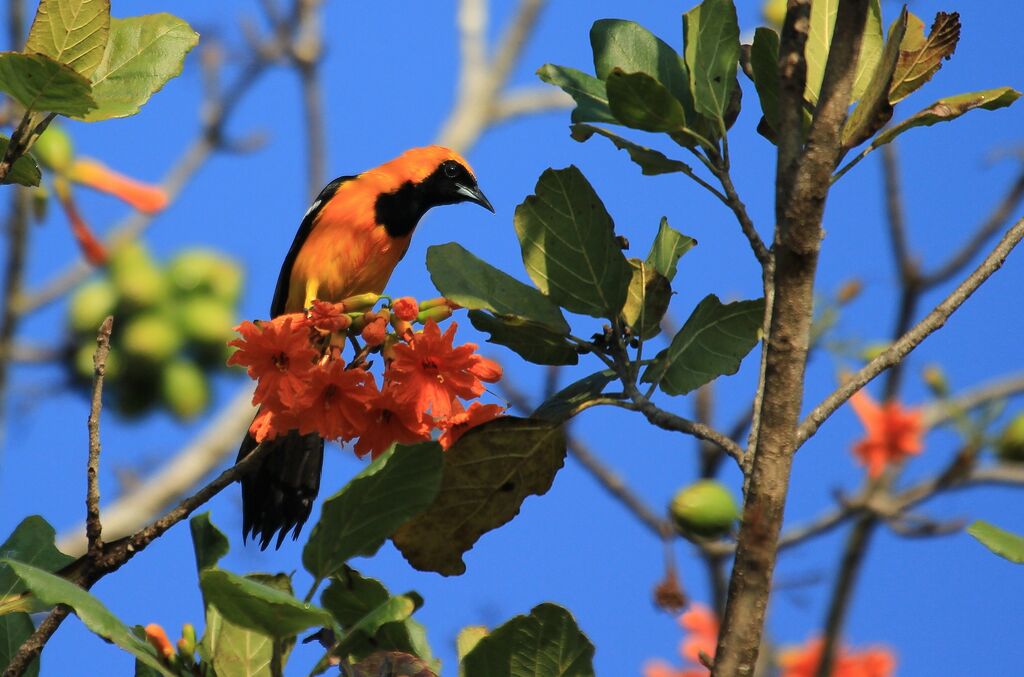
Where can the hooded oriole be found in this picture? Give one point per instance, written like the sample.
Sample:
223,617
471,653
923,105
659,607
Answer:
348,243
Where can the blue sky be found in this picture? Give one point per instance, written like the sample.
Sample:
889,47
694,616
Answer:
946,606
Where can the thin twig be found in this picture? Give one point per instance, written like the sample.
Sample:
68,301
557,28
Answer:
939,412
93,526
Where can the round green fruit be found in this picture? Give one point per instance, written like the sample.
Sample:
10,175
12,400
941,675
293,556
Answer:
204,271
705,508
90,305
151,337
184,389
207,321
54,149
1010,445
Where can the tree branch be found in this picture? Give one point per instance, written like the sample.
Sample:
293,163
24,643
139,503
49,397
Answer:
93,527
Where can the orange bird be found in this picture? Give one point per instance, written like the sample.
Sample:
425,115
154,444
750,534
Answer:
349,242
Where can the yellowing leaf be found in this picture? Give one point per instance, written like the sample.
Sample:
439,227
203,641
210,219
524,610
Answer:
73,32
921,56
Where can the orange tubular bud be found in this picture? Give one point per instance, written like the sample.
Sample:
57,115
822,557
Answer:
143,196
92,249
158,638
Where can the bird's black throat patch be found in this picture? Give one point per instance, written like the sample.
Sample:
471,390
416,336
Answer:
399,211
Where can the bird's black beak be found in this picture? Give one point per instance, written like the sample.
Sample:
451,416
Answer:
475,195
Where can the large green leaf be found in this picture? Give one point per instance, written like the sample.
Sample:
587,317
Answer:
647,300
588,92
530,341
632,48
234,651
874,109
947,109
560,406
712,343
488,474
39,83
1001,542
921,56
819,38
357,519
871,45
257,606
639,101
53,590
569,246
208,542
14,630
669,245
31,542
25,170
546,642
142,54
651,162
477,285
712,53
73,32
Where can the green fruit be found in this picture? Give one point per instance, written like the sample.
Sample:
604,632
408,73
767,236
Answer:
151,337
204,271
207,321
90,305
54,149
137,276
184,389
705,508
1010,445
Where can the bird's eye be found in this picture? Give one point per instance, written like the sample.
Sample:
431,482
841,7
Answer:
451,169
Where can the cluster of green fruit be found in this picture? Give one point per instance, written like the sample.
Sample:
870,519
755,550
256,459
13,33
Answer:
171,327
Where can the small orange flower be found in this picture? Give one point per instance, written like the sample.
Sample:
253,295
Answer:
893,432
405,308
432,373
271,421
457,424
95,174
804,661
277,354
388,421
375,332
158,638
702,625
337,401
329,317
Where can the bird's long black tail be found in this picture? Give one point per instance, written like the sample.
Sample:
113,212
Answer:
278,494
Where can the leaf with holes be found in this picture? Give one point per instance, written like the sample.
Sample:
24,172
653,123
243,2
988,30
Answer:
587,91
488,474
921,56
669,246
533,342
73,32
1003,543
41,84
712,53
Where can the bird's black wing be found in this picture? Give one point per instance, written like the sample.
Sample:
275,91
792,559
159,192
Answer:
305,228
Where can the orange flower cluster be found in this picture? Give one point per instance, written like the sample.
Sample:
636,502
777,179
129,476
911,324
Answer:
702,625
892,432
804,661
304,384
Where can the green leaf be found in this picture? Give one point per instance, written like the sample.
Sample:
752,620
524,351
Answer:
73,32
588,92
652,162
712,37
14,630
920,56
257,606
819,38
632,48
533,342
647,300
947,109
669,246
25,170
142,54
41,84
208,542
712,343
569,246
560,406
234,651
764,61
547,642
639,101
31,542
391,612
1001,542
477,285
871,45
874,109
356,520
488,474
54,590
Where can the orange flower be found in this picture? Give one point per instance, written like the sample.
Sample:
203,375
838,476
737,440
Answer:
337,401
329,317
158,638
804,661
95,174
375,332
702,625
457,424
432,373
893,432
271,421
278,354
405,308
388,421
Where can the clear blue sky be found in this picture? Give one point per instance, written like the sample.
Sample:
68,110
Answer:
946,606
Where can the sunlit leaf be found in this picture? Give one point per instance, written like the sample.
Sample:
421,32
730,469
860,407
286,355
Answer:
234,651
712,53
257,606
871,46
1001,542
73,32
588,92
533,342
31,542
874,109
819,38
647,300
208,542
41,84
947,109
669,246
921,56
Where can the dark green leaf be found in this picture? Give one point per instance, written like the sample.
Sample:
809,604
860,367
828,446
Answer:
920,57
41,84
391,612
488,474
533,342
357,519
874,109
819,38
54,590
547,642
871,45
258,606
14,630
647,301
588,92
73,32
569,246
1001,542
712,343
712,53
764,60
477,285
208,542
31,542
25,170
142,54
639,101
560,406
652,162
947,109
669,245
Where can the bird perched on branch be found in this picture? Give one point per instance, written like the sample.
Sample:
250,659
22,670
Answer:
349,242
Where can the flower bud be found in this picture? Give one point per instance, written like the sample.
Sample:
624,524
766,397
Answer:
705,508
375,332
435,313
360,302
158,638
850,290
434,303
187,643
405,308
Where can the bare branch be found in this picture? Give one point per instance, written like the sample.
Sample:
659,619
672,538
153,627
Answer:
529,100
93,527
940,412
